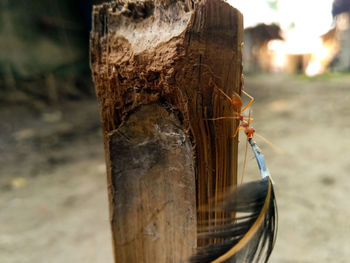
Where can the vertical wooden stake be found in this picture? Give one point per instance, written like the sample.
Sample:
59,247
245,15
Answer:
155,65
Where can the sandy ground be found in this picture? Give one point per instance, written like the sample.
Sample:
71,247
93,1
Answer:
53,190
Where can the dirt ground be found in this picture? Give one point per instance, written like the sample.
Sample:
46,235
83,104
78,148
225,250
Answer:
53,189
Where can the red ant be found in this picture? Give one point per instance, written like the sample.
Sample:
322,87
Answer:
236,102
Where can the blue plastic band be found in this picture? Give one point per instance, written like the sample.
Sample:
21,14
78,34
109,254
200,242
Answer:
264,172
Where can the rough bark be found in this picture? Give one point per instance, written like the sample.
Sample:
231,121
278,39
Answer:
155,65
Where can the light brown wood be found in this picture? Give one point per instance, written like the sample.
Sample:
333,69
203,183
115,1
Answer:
154,188
155,65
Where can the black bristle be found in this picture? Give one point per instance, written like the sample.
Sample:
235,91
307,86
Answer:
247,202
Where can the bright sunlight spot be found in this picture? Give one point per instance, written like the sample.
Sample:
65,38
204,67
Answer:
302,22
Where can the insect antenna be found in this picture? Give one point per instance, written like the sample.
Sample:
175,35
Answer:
271,144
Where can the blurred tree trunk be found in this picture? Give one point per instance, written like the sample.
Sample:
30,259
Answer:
155,64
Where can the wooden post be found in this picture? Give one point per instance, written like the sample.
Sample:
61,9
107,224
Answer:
155,65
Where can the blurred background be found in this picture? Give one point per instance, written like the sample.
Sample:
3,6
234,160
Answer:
53,192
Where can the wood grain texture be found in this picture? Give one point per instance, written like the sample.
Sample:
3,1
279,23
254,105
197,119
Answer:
170,54
152,164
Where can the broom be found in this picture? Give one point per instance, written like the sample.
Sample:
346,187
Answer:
248,236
